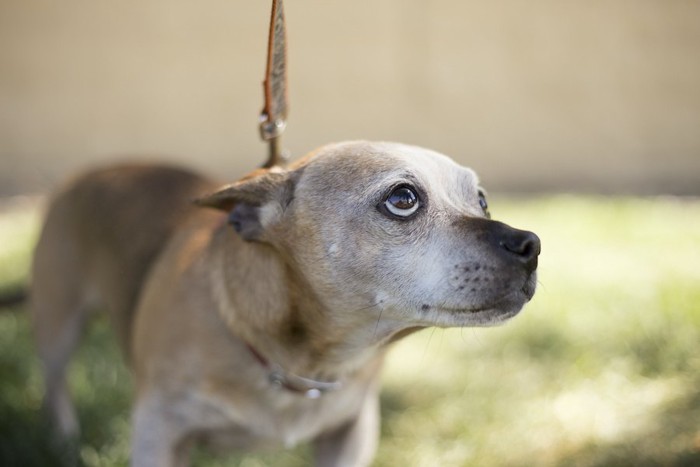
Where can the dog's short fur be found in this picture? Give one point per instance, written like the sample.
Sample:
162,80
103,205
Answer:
311,270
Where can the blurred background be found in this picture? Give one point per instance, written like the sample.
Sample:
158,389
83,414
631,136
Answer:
581,118
537,95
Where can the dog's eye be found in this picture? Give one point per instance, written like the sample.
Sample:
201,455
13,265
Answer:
402,202
482,202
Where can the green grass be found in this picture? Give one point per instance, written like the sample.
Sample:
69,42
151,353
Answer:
601,369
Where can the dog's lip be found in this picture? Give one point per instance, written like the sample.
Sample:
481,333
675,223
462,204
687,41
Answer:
474,311
486,316
504,305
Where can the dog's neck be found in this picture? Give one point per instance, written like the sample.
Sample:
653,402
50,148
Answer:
269,306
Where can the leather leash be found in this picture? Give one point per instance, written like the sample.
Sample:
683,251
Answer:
273,118
273,121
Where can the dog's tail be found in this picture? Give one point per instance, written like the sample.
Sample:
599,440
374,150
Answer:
10,298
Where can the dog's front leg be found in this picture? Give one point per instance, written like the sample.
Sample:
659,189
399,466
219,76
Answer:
158,436
353,444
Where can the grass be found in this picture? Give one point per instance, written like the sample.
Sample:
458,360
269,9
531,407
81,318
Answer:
601,369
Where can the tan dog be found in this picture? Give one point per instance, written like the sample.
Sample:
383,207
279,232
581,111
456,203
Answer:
272,334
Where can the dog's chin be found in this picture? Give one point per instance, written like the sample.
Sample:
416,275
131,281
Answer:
482,317
488,314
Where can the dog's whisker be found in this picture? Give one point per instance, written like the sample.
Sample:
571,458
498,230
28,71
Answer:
541,285
373,305
427,345
471,331
376,326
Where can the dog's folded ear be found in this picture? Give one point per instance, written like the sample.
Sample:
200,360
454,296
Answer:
253,203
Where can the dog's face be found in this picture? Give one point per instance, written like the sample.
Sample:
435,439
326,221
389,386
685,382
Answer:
389,229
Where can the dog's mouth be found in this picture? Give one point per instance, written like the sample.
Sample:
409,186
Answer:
487,314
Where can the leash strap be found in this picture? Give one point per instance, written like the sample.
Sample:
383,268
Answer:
273,118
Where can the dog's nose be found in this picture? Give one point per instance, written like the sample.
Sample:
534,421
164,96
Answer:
524,245
513,245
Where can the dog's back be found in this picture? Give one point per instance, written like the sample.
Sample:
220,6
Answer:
102,233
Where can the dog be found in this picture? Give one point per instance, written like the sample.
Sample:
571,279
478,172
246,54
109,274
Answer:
263,319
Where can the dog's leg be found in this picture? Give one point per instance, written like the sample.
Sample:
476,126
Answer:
55,352
58,312
158,435
354,443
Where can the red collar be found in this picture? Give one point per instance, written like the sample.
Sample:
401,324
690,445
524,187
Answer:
309,388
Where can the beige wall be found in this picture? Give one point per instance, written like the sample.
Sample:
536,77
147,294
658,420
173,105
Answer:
534,94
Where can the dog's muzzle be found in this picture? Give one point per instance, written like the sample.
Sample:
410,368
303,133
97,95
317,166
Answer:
504,262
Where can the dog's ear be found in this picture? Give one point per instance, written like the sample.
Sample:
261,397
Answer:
253,203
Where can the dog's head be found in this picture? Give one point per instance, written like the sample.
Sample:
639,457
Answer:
391,229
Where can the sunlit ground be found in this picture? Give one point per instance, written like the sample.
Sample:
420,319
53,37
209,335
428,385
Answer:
602,368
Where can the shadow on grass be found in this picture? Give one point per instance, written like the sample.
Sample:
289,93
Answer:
99,384
24,434
24,437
